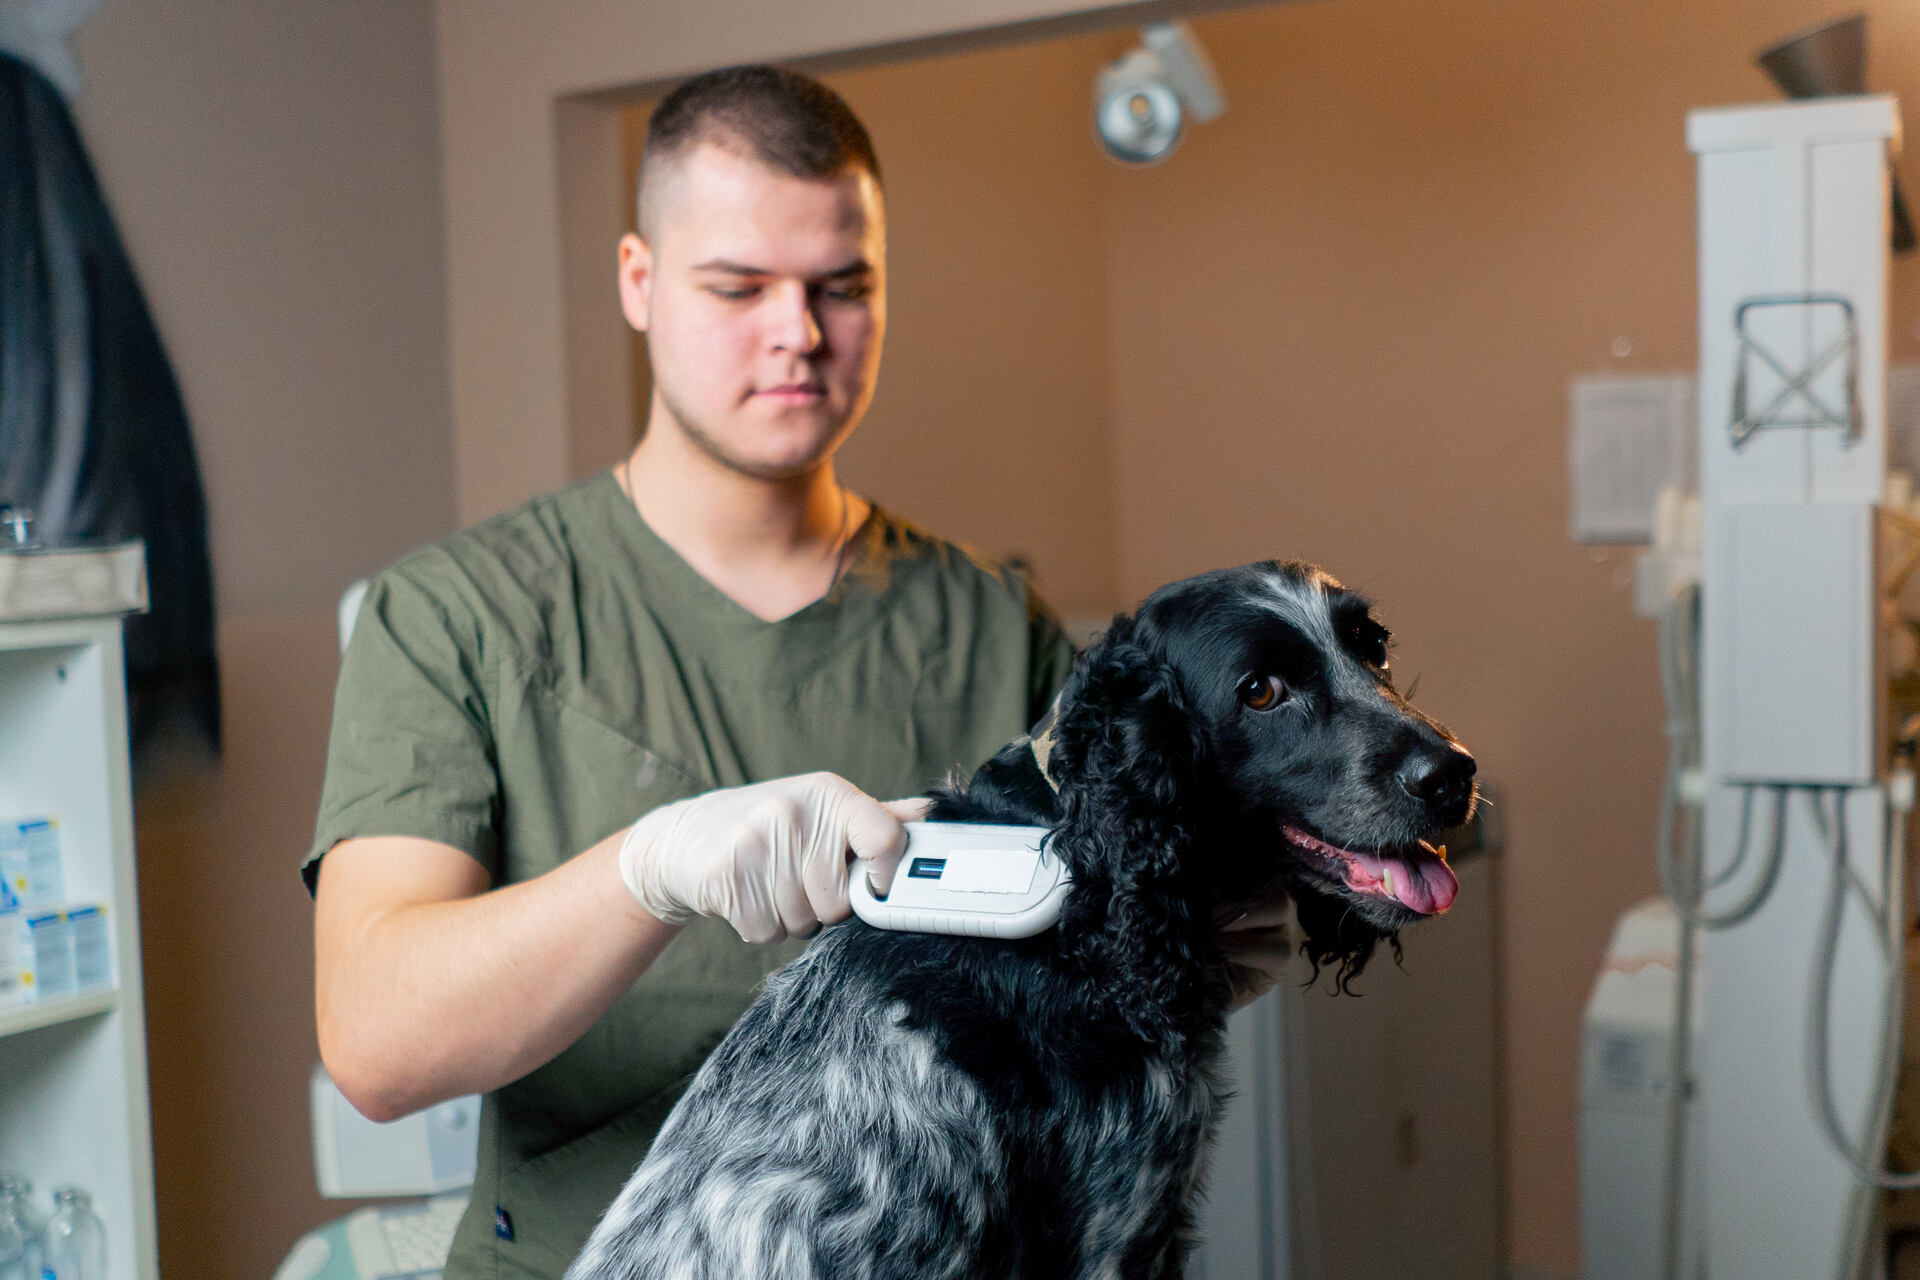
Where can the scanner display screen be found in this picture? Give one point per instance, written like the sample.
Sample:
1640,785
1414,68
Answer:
989,870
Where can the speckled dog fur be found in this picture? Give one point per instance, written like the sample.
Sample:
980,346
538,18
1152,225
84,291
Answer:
900,1106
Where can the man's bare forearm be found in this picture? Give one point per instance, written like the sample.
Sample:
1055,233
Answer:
429,986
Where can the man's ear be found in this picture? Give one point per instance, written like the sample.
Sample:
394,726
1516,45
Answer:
636,281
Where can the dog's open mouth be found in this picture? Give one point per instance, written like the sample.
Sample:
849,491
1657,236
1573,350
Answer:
1416,876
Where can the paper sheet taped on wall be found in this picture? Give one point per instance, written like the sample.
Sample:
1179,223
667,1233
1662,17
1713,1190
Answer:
1630,437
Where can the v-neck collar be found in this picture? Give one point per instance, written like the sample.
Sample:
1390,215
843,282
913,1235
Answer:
704,614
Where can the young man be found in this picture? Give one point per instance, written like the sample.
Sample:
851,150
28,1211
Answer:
575,806
689,640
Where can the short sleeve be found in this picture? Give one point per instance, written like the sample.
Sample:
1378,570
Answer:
1052,655
412,751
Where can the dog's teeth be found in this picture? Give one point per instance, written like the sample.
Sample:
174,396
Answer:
1386,878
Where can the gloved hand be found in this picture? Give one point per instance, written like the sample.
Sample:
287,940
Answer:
769,858
1257,945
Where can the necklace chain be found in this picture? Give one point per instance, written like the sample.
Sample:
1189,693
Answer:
845,539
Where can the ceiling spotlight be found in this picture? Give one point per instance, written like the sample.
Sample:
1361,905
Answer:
1142,102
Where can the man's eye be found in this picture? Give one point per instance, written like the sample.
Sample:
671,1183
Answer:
849,293
1263,693
732,293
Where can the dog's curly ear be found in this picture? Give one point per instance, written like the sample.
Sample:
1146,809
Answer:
1130,757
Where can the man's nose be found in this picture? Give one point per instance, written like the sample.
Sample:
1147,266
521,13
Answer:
795,327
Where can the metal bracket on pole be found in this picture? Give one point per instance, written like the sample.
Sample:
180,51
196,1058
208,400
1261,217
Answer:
1796,394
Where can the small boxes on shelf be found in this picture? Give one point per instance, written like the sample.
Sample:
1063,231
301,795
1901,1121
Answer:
49,948
36,960
30,864
92,954
47,955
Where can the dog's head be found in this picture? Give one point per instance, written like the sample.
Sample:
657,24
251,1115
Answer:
1246,725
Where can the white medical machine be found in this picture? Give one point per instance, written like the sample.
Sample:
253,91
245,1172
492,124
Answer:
1742,1042
428,1158
1626,1082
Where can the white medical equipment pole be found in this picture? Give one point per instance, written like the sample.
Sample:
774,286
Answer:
1793,286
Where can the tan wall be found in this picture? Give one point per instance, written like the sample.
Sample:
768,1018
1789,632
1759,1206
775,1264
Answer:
505,65
1340,325
274,167
228,948
1349,314
990,424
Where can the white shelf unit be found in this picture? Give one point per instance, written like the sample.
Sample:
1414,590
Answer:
73,1072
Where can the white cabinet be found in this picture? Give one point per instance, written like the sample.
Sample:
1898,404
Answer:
73,1072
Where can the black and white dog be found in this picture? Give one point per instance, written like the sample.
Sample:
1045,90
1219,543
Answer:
913,1106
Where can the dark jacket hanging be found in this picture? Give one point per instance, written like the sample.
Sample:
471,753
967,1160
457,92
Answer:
93,433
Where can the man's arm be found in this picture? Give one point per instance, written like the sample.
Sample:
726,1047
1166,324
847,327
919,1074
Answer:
429,986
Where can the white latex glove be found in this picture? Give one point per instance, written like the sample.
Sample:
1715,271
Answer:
771,858
1257,945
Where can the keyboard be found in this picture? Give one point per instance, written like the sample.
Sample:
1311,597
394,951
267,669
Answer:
408,1241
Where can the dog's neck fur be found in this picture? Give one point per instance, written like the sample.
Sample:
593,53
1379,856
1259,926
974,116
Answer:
1041,744
1152,956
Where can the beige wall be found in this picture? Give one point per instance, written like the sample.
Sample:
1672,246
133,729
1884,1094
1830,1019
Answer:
990,424
1344,330
1339,324
228,948
274,167
505,66
276,170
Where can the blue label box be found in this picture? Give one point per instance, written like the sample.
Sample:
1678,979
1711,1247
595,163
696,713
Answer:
30,872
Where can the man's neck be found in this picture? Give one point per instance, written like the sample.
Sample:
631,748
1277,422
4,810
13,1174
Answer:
773,546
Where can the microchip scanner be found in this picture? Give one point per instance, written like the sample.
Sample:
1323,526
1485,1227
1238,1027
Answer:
974,880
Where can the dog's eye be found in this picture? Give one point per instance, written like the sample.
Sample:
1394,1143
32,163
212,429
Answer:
1369,641
1263,693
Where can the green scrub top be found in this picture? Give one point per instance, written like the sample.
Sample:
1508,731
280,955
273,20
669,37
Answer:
523,689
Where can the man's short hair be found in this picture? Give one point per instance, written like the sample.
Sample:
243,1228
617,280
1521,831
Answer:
784,120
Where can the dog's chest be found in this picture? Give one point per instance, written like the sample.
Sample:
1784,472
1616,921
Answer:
1161,1112
1110,1169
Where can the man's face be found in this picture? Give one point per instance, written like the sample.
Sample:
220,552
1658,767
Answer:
763,298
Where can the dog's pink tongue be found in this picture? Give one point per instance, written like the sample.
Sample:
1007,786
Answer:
1417,878
1420,881
1430,884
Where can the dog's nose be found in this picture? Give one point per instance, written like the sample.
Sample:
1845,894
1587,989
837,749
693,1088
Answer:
1441,780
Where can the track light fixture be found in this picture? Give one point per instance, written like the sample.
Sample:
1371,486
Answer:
1141,103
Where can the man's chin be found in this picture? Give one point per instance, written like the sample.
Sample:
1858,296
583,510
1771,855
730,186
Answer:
790,457
763,439
786,447
778,464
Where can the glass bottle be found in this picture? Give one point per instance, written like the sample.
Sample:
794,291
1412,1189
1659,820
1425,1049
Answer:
13,1250
76,1238
23,1234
